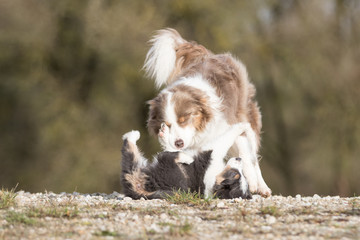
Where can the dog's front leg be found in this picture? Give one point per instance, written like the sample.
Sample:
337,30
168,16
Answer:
247,151
219,148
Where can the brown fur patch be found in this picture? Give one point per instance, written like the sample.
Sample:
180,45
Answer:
137,180
220,177
156,113
187,54
134,149
191,106
180,165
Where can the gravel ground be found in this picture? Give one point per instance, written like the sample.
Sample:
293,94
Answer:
92,216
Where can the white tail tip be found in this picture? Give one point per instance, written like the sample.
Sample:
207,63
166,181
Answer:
161,58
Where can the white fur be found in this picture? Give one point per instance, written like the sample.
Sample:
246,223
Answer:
132,136
160,60
185,158
262,187
245,153
175,132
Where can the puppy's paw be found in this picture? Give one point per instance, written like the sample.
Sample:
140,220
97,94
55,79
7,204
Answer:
132,136
185,158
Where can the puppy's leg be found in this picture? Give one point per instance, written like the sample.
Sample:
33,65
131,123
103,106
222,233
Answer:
131,155
219,148
133,179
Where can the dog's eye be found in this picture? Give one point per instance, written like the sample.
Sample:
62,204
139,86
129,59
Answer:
197,113
181,120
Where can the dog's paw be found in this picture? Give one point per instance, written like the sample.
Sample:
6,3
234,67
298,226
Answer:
264,191
132,136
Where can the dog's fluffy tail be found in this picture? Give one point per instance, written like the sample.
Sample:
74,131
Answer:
169,53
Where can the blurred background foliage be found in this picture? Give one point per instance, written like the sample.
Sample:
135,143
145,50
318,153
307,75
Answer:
71,84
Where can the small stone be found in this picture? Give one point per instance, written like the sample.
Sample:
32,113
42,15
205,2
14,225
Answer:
316,196
237,200
298,196
220,205
271,220
147,217
163,216
265,229
126,199
256,197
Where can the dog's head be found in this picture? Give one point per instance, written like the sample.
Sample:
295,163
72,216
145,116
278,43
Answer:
231,183
184,110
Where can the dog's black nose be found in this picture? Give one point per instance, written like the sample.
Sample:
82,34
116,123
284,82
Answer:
238,159
179,143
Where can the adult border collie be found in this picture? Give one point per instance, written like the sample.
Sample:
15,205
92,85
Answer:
172,171
205,94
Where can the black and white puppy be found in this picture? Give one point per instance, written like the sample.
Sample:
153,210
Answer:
172,171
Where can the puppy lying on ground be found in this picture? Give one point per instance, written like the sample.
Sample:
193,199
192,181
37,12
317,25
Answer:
172,171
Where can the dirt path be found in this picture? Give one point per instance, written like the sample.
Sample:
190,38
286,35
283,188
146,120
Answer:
79,216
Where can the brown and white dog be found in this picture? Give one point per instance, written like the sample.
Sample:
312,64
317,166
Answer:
205,94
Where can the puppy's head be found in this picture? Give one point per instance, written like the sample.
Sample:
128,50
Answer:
230,183
184,110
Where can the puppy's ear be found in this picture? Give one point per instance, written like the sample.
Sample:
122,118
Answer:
156,113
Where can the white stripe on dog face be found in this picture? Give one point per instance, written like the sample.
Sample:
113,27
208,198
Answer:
174,132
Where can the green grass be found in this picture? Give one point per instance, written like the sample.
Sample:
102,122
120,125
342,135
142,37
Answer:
107,233
270,210
55,212
7,198
178,230
32,215
188,198
18,217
